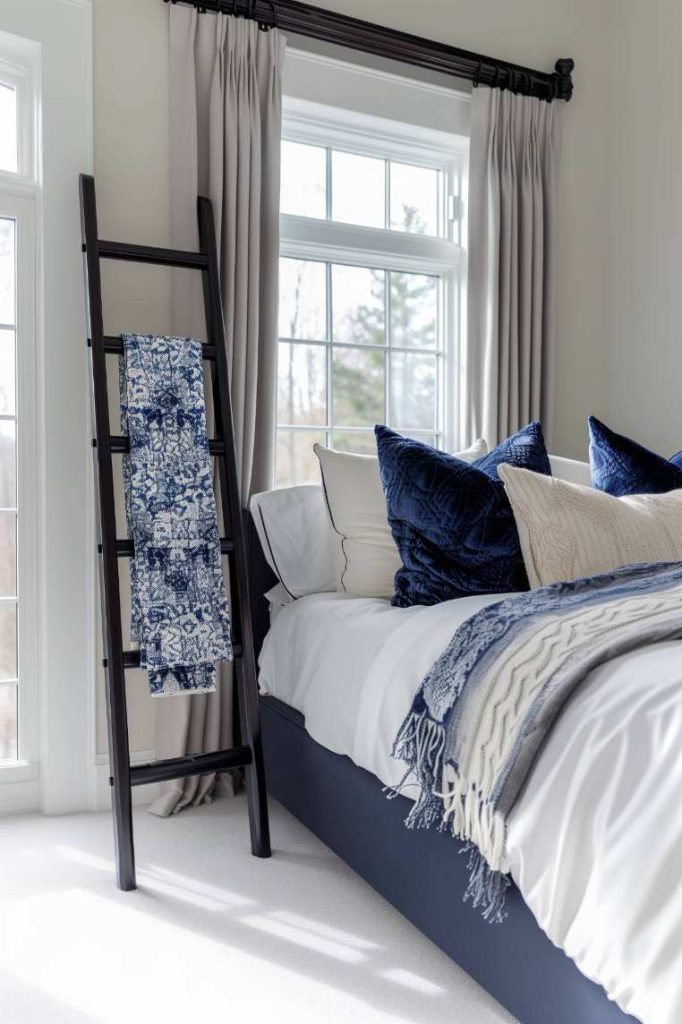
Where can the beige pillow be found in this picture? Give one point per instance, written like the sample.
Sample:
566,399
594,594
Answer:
568,531
365,556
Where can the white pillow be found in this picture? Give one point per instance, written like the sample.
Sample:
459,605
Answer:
568,531
365,556
571,470
293,528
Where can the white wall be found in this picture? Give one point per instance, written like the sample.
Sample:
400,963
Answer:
644,325
133,188
131,164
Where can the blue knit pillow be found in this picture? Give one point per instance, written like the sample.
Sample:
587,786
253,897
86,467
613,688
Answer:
451,521
621,466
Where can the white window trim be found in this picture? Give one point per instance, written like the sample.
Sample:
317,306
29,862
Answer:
20,200
328,241
59,34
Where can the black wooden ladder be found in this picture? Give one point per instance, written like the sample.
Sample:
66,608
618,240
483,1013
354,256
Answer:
111,549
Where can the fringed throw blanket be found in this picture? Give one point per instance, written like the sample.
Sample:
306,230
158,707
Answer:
179,612
488,703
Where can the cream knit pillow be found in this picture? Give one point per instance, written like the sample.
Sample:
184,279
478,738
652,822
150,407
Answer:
365,555
568,531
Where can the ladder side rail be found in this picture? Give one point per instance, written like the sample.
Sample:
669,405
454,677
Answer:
117,718
245,667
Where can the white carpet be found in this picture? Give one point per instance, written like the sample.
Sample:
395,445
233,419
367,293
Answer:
212,934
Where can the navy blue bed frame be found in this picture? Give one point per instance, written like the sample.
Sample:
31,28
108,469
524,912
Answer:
418,872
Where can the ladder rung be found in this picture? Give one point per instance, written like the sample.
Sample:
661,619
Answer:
114,346
131,659
126,548
150,254
193,764
120,443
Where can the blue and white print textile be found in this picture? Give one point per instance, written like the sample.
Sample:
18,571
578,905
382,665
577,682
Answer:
179,613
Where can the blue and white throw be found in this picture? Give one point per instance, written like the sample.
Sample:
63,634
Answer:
179,613
488,703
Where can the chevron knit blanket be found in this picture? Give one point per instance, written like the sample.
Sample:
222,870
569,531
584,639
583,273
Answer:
179,612
488,703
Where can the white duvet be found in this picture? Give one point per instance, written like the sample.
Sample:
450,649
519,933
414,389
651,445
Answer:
595,841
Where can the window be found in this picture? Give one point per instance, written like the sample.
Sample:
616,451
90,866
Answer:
18,477
370,268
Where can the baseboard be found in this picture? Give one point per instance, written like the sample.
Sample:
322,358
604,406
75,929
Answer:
19,797
101,799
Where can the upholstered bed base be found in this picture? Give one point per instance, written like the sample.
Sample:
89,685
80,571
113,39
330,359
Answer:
418,872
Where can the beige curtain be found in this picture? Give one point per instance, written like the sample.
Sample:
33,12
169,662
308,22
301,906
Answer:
225,125
511,288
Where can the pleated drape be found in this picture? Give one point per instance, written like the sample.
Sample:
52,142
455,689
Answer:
225,128
510,346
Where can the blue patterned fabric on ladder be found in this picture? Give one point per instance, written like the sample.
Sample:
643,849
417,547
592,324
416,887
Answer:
179,612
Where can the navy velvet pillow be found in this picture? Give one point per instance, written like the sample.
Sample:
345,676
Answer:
621,466
452,521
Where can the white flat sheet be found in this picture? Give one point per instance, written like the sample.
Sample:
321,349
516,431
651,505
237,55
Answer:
595,841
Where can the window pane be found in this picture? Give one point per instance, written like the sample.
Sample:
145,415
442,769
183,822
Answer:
7,373
363,443
8,128
414,310
7,258
296,462
8,640
8,556
358,387
8,723
304,180
414,199
358,190
8,464
302,300
420,435
358,299
302,384
413,390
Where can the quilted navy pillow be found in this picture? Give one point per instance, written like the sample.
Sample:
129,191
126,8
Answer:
621,466
451,520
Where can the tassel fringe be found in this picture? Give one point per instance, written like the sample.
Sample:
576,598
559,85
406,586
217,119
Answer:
458,807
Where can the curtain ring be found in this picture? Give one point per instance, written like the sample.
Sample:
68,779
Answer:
496,79
477,75
263,25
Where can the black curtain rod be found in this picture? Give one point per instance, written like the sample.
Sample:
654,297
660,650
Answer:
319,23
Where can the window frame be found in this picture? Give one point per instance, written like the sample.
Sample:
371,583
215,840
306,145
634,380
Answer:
20,201
333,242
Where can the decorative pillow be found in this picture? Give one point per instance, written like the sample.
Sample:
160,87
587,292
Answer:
570,469
621,466
366,558
293,528
452,522
568,531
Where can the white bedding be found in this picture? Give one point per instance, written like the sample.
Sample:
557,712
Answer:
595,842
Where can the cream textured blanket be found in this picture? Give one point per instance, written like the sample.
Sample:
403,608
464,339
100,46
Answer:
488,703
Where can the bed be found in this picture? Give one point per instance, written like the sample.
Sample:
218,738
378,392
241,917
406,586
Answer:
342,800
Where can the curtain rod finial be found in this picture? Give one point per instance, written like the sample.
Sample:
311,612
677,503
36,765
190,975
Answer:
564,66
563,70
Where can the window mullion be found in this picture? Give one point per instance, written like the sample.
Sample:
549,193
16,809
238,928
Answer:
330,354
